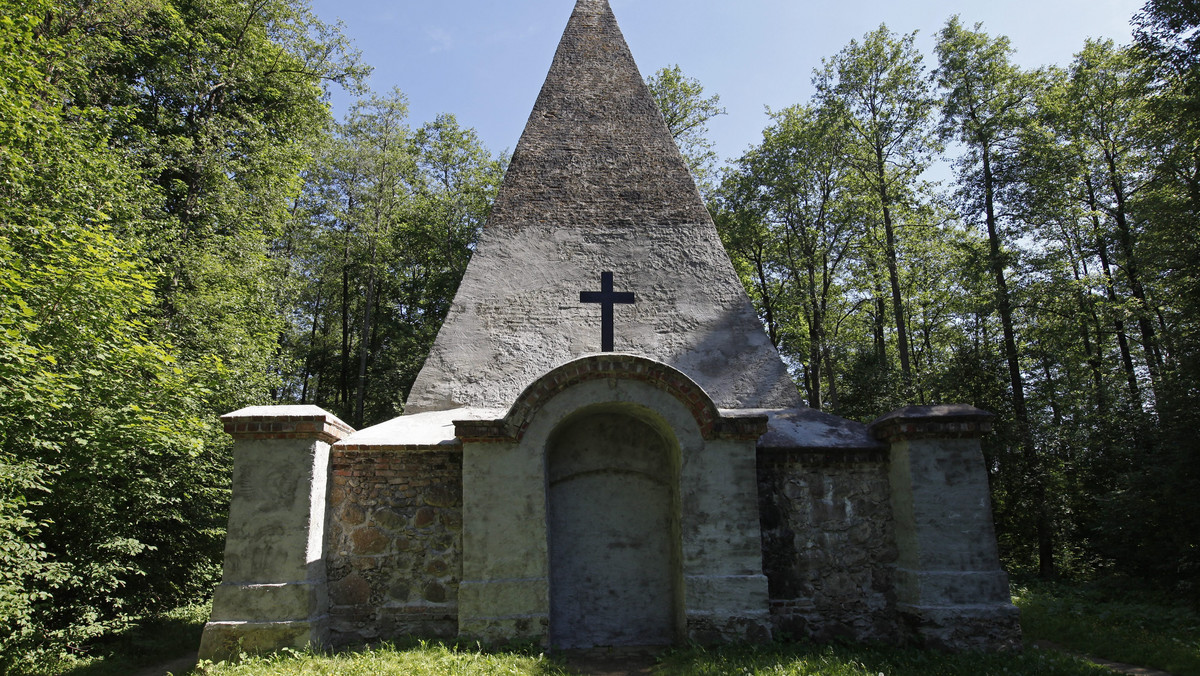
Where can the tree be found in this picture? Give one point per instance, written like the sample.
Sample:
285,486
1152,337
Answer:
1106,113
881,85
381,239
149,153
687,112
106,489
219,102
1168,53
793,187
985,106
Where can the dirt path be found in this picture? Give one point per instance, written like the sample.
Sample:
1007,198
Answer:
1119,667
177,666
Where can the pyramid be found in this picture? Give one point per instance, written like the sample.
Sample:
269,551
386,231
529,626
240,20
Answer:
597,185
668,489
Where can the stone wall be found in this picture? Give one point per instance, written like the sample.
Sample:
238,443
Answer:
829,550
394,544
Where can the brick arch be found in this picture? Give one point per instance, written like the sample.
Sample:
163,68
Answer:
614,365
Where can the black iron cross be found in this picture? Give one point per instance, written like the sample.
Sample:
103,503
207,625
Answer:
606,297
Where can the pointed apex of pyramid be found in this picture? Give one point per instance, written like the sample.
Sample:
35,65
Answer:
596,148
598,240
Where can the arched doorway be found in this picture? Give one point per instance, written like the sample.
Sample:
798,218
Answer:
613,521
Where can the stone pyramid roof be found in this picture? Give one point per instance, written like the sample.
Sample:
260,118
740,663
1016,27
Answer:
597,184
595,149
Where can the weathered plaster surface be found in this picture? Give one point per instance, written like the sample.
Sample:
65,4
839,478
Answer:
419,430
506,567
950,587
596,184
273,585
504,593
806,428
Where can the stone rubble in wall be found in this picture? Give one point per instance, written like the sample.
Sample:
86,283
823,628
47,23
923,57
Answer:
394,545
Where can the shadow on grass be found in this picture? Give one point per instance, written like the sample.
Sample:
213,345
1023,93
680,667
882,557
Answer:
1130,624
797,659
145,643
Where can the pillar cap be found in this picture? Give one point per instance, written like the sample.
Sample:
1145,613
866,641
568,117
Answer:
285,422
941,421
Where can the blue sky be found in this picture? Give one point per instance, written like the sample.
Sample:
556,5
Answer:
484,60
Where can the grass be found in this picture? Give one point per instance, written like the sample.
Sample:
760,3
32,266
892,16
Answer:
146,642
423,658
433,659
857,660
1139,628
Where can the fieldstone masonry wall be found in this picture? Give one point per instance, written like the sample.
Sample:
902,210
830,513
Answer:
828,547
394,544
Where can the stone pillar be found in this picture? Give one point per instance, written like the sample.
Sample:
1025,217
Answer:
726,596
273,589
949,584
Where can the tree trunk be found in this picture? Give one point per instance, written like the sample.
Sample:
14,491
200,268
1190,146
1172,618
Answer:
815,325
764,290
1016,380
312,341
364,342
893,267
344,374
1110,288
1133,273
1092,352
832,380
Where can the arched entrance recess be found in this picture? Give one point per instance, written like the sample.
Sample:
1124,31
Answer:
613,528
591,457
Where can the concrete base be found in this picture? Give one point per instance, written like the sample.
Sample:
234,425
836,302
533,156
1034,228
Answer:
985,627
715,628
227,640
954,587
525,615
265,602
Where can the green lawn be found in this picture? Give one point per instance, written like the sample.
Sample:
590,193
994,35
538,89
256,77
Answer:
1129,627
1144,631
773,660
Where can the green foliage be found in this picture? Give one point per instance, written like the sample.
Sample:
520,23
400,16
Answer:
1125,625
147,153
881,87
789,216
379,242
687,112
144,642
1056,287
